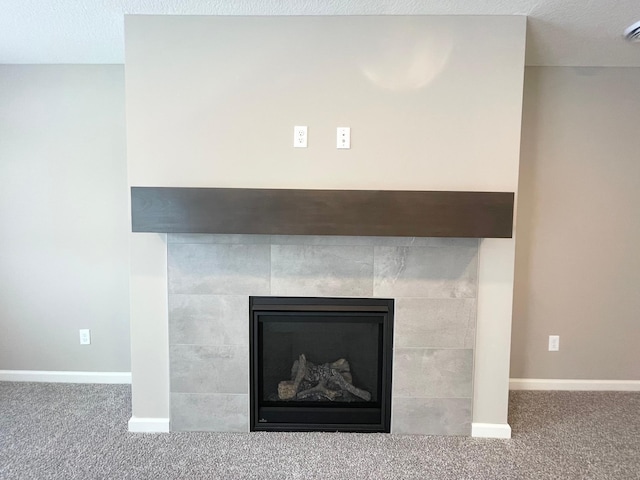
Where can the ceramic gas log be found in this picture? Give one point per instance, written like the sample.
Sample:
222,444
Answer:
329,381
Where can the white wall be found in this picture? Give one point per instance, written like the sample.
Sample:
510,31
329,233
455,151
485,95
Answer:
434,103
215,99
64,219
578,264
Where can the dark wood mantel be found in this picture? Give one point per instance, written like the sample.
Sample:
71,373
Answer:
322,212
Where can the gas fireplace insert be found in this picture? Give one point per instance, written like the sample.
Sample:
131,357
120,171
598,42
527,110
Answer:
320,364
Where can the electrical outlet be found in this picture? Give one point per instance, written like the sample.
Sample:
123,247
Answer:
85,336
554,343
300,137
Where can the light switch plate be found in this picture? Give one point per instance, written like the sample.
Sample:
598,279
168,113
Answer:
343,137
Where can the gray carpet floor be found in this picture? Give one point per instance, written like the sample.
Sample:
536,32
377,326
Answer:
67,431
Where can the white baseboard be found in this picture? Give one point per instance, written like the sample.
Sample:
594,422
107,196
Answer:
148,425
490,430
566,384
64,377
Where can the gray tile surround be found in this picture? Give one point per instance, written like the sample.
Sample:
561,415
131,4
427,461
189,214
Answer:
220,269
434,282
321,240
209,368
443,322
232,239
212,412
321,271
431,272
208,319
431,416
372,241
432,372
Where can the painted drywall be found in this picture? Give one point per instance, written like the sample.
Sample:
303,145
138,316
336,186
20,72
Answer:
577,260
63,211
215,101
212,102
150,339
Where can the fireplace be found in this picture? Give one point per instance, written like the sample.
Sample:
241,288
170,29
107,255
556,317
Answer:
319,363
386,236
433,284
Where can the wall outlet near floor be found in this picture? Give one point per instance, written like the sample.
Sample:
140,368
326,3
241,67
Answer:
85,336
554,343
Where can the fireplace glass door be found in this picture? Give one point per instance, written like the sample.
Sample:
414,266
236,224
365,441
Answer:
321,364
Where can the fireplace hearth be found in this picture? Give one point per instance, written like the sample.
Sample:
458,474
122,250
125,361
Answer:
320,364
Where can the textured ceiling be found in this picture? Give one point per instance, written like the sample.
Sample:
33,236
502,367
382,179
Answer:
560,32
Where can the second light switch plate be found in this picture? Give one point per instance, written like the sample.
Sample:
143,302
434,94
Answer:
343,137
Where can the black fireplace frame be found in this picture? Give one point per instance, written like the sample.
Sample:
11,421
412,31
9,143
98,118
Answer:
352,418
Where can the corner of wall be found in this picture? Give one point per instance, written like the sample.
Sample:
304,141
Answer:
149,326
